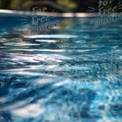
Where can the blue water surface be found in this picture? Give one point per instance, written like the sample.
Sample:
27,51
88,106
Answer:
65,72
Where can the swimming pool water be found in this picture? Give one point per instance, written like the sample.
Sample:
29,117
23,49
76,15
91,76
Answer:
67,73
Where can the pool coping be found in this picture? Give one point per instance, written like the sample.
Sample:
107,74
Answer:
14,12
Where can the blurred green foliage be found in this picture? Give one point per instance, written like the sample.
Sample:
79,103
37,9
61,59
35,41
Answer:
71,5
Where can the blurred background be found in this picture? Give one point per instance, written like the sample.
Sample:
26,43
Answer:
88,6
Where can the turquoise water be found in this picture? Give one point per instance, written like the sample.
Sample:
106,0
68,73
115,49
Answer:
67,73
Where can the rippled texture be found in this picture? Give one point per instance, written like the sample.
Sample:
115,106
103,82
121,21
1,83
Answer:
72,73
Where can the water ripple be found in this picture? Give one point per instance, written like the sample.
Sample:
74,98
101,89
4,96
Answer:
72,74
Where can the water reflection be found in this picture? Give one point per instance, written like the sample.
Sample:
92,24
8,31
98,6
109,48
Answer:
71,75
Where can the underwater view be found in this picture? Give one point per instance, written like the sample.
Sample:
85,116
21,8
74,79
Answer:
69,70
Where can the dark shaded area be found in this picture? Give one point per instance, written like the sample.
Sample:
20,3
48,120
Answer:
62,5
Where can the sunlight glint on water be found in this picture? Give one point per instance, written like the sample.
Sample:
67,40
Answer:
70,74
